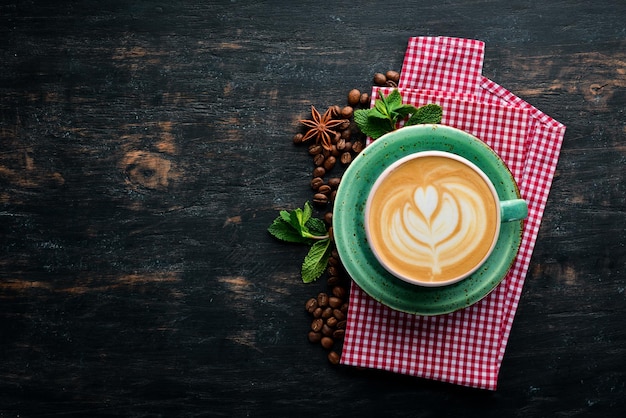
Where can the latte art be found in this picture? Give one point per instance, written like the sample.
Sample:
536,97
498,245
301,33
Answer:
432,218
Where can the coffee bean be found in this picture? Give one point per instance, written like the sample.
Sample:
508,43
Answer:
324,189
297,138
333,280
319,172
327,342
317,324
315,149
331,322
333,182
320,199
328,218
341,324
322,300
327,312
338,334
344,308
339,292
364,100
334,302
311,305
357,146
329,163
338,315
341,144
316,183
315,337
317,313
346,158
318,159
332,271
354,96
334,358
327,331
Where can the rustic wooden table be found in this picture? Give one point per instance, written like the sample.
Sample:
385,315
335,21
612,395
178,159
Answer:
145,147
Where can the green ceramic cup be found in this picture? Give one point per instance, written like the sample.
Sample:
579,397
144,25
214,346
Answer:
433,217
349,221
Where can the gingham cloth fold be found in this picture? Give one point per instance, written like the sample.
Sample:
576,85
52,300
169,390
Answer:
465,347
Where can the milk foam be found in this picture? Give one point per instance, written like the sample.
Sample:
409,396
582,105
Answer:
435,221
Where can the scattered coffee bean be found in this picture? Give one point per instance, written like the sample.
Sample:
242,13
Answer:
318,160
297,138
324,189
353,97
317,313
322,300
357,147
331,322
317,324
315,149
315,337
338,334
339,292
311,305
327,342
347,112
393,76
334,302
380,79
334,358
346,158
334,182
329,163
326,330
320,199
328,218
327,312
338,315
341,324
364,100
316,183
319,172
333,281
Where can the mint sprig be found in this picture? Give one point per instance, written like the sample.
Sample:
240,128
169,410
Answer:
389,111
298,226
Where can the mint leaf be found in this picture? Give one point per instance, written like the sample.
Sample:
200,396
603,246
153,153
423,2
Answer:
316,226
284,231
430,113
375,128
307,213
394,100
315,261
406,110
299,226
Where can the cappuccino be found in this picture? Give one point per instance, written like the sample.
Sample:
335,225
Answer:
432,218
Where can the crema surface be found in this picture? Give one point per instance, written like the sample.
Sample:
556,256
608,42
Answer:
432,219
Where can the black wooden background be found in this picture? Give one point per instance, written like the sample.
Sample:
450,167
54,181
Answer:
145,147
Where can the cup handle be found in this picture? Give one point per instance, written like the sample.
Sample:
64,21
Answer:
513,210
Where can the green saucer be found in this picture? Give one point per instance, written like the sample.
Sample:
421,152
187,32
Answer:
349,231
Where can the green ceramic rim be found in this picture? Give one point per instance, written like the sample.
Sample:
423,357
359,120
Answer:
351,241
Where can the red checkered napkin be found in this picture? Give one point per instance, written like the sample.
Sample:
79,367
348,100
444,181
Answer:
465,347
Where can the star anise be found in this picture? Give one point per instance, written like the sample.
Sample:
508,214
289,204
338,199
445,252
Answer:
321,127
